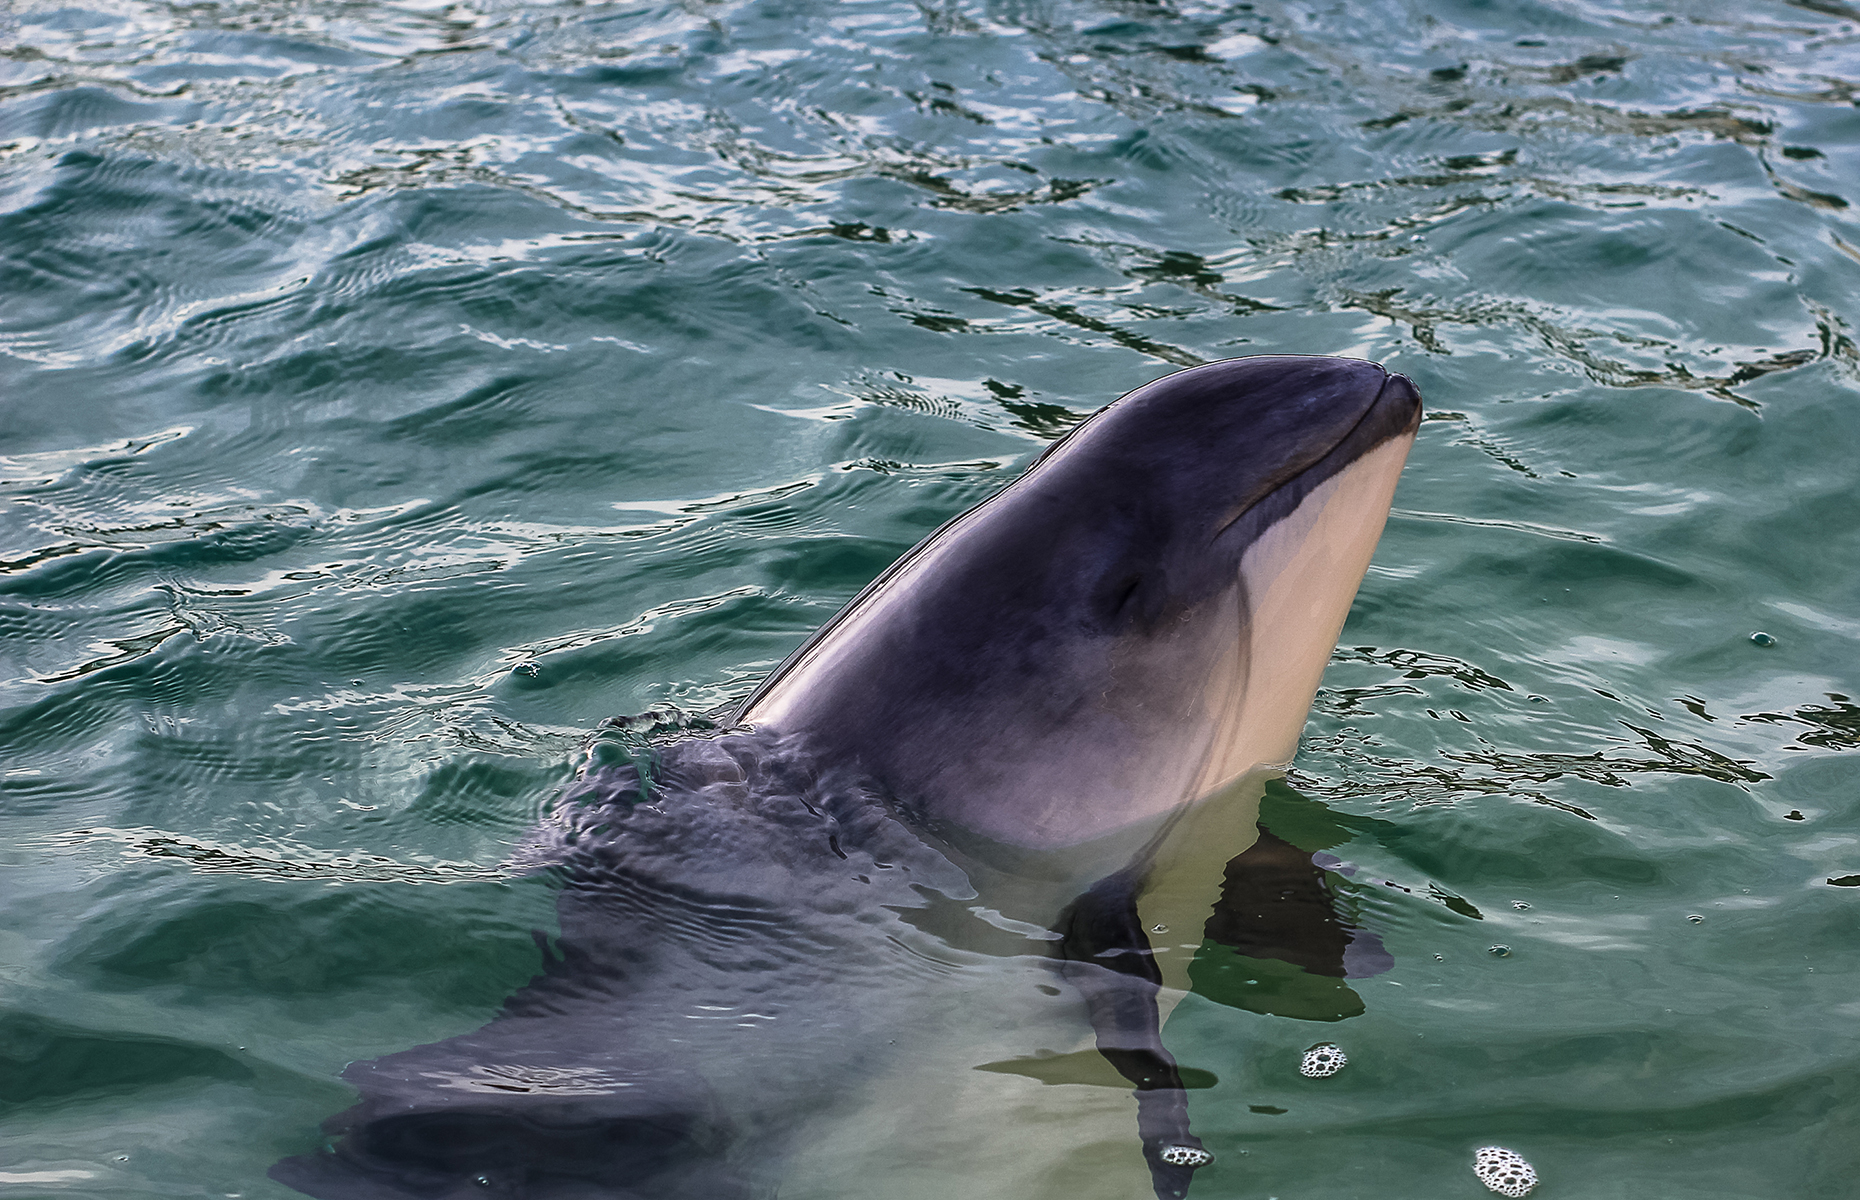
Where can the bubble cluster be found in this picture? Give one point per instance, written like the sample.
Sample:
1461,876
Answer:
1323,1059
1185,1156
1504,1171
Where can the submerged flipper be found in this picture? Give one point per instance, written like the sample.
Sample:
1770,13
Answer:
1281,941
1284,937
1109,960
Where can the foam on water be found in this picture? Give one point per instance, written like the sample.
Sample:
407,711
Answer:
394,392
1504,1171
1321,1060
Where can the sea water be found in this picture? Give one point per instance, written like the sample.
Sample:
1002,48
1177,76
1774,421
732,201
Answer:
390,392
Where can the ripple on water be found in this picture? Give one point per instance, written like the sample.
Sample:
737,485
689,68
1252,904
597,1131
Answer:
399,392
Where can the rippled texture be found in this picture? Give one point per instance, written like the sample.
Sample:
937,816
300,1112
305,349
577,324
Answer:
391,392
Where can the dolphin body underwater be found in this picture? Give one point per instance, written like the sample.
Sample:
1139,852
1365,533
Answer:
944,835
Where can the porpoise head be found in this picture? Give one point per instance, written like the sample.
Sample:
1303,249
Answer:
1139,618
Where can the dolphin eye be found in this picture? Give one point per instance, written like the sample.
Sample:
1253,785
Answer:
1123,597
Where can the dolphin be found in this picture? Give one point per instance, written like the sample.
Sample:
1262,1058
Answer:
940,850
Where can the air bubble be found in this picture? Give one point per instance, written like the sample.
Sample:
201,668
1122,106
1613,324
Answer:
1500,951
1520,905
1185,1156
1504,1171
1325,1058
1695,918
1760,638
1159,929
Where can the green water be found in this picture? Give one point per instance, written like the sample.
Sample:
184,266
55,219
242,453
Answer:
390,392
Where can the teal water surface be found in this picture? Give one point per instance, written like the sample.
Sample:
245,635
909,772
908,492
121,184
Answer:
391,392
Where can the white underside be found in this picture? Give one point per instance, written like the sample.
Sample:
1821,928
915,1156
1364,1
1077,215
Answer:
1298,580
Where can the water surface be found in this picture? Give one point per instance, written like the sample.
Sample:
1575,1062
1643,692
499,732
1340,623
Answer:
391,392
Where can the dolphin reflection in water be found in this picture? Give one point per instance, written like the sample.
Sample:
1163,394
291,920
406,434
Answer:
973,838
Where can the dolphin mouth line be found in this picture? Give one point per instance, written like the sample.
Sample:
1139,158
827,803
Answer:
1374,409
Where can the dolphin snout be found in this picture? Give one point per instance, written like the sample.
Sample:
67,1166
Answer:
1399,394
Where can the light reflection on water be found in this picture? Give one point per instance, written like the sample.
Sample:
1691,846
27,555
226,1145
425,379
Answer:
396,391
